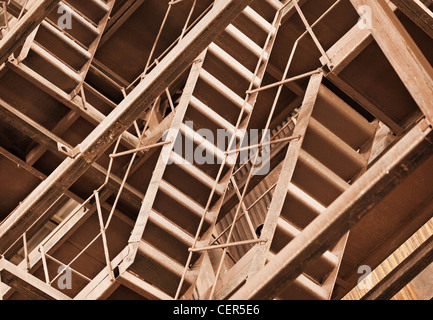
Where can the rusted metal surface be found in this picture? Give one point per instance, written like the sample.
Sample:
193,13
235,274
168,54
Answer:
405,157
37,114
95,144
24,27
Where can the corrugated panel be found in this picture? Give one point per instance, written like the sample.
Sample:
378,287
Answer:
407,293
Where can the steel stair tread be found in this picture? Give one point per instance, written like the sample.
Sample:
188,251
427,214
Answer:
195,172
74,55
225,91
238,67
332,151
93,10
213,116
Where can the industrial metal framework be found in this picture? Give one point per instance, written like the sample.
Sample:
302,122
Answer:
214,149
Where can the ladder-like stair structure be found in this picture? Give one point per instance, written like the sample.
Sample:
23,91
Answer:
180,193
333,154
62,48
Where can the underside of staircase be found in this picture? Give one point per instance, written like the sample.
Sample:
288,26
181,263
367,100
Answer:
213,150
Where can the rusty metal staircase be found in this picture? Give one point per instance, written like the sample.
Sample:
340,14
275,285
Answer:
204,227
319,167
62,48
208,103
213,99
328,149
184,197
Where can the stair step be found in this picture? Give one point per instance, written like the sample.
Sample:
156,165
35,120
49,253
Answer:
171,228
63,37
235,64
183,199
199,140
213,116
157,268
195,172
266,8
59,65
318,166
102,4
287,228
275,4
343,120
94,10
79,18
303,288
254,26
224,90
317,180
306,199
332,151
246,42
167,237
320,267
91,91
300,208
258,19
82,30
